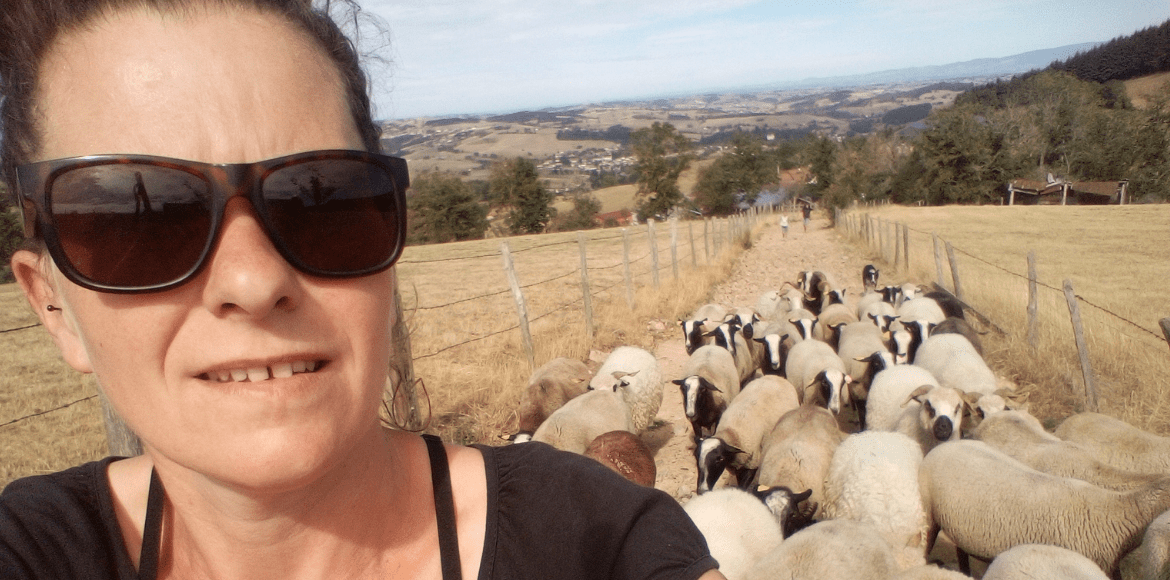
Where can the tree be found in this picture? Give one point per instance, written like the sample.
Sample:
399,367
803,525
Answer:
11,234
735,177
443,209
583,215
820,153
515,184
662,155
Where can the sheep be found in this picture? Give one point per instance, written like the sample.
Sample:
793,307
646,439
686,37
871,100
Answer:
987,502
953,361
741,430
830,321
793,297
881,313
636,371
574,426
1042,562
867,298
952,325
1022,437
908,399
704,320
869,277
1117,443
777,339
921,309
829,550
950,305
744,317
917,331
929,572
858,343
785,505
626,454
768,303
873,478
710,381
738,527
814,367
803,320
1151,559
747,357
797,451
893,294
549,387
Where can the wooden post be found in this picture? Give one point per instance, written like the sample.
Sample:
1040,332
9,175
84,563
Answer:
955,271
521,307
906,247
938,259
585,296
653,251
1033,306
1082,348
714,237
626,267
1064,194
897,246
1165,324
674,248
404,399
119,438
706,242
691,235
881,240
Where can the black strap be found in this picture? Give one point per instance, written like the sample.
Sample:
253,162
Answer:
152,530
444,509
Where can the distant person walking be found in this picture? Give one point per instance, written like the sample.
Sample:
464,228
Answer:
784,224
807,214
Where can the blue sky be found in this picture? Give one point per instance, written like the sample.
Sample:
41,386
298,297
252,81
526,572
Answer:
461,56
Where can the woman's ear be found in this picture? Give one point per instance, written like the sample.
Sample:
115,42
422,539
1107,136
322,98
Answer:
33,272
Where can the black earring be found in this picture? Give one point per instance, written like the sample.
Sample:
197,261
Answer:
51,308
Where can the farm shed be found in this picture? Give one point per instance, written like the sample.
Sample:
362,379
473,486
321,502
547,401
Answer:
1031,192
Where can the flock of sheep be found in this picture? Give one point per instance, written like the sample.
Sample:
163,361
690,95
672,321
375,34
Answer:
855,433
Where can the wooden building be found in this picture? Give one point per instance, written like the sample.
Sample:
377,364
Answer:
1032,192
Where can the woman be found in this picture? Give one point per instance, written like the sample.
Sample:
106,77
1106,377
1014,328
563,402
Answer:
238,321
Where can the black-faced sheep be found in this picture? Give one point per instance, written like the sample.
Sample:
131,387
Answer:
636,372
987,502
815,367
856,347
626,454
797,452
549,388
749,417
777,338
921,309
829,323
704,320
710,382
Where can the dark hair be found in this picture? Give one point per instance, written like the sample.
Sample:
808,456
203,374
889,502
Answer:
29,27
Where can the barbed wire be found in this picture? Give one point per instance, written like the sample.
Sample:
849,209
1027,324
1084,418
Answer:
20,328
70,404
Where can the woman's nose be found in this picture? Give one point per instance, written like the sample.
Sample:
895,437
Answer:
246,274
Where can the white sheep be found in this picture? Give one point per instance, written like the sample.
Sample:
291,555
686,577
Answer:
873,478
625,454
710,382
923,309
1042,562
929,572
747,420
987,502
954,325
704,320
954,362
738,527
1022,437
550,387
829,550
768,303
828,324
1117,443
636,371
1151,560
815,368
574,426
908,399
797,452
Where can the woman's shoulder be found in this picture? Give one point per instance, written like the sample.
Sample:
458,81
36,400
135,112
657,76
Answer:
60,525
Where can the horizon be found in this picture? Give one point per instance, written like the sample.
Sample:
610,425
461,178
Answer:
456,57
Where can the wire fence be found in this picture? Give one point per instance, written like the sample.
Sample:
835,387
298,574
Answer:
716,234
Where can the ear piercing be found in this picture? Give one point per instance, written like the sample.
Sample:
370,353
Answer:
51,308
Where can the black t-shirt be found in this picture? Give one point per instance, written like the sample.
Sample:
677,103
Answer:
550,515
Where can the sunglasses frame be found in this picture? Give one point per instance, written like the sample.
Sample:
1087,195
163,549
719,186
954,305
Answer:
226,180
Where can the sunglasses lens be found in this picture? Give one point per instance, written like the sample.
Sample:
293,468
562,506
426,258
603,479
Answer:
335,216
131,225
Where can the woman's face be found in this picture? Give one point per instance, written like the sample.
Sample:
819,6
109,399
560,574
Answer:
221,86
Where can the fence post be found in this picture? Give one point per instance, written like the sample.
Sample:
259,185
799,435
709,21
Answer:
897,246
626,267
119,438
1033,306
674,248
706,242
401,363
653,251
521,307
954,271
1082,348
881,240
691,235
714,237
586,297
1165,324
938,259
906,246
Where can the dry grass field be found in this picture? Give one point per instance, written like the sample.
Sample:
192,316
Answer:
470,361
1141,89
1116,257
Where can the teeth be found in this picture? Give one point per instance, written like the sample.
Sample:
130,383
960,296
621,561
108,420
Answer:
276,371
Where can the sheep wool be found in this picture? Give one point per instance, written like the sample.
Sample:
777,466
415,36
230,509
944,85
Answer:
829,550
1117,443
549,388
1151,560
1041,562
738,527
797,452
574,426
636,372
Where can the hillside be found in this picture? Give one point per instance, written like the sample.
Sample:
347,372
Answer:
1142,88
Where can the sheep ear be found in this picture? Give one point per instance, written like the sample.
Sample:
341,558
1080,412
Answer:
679,382
760,339
733,448
763,488
917,393
622,374
802,496
971,399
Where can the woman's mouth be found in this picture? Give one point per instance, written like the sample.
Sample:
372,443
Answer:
258,374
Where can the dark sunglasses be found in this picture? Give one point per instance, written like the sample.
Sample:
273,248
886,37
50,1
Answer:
139,223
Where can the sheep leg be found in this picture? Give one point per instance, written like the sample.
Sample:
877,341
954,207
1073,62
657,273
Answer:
744,478
964,560
931,537
859,408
